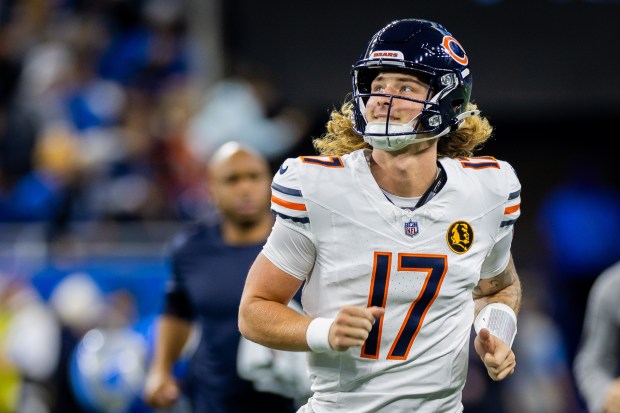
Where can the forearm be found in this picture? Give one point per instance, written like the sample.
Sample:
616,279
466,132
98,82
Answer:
273,325
172,335
505,288
264,314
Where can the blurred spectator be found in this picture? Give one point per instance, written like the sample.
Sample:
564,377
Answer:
101,80
82,306
107,370
106,84
246,107
18,127
29,348
79,304
597,365
209,263
148,46
40,195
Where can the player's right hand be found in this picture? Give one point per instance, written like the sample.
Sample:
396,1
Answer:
352,326
161,390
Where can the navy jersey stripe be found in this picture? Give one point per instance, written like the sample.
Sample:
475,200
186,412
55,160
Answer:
514,195
507,223
302,220
285,190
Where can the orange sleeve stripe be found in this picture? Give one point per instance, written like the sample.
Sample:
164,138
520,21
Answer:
512,209
289,205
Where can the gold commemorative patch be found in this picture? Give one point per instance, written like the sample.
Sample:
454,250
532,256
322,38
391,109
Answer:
460,237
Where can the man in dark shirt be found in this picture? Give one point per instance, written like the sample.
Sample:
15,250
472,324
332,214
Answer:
209,267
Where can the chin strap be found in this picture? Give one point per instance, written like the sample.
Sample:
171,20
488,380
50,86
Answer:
467,114
392,143
458,121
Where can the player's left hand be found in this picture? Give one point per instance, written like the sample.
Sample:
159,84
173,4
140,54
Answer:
497,356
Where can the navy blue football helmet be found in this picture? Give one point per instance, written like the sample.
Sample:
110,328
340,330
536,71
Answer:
429,51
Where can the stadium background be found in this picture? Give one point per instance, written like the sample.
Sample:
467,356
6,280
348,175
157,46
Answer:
545,74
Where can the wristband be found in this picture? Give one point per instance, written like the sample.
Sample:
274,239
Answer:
317,334
500,320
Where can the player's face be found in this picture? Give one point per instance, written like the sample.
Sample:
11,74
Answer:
395,84
241,188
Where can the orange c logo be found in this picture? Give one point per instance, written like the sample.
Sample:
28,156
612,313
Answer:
448,42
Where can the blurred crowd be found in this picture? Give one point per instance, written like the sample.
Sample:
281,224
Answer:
81,349
92,102
98,119
100,123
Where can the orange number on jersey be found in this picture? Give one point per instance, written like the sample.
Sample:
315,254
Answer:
435,267
328,161
478,162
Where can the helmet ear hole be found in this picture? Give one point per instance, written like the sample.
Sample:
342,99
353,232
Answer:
457,103
430,121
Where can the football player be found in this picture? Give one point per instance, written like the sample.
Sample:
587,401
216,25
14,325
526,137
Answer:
399,234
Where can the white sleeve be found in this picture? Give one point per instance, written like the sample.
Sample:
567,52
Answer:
287,199
497,260
290,250
512,204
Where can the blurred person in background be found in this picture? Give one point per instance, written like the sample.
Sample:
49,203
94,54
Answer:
42,194
209,264
79,304
29,348
266,124
18,125
38,341
597,364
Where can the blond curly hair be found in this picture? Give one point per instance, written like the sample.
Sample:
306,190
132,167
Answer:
340,137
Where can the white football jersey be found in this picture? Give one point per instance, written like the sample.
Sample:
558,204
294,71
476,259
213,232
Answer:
420,265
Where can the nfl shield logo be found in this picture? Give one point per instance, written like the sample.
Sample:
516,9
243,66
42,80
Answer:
411,228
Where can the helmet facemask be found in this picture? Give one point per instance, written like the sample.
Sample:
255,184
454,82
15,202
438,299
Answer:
426,125
428,51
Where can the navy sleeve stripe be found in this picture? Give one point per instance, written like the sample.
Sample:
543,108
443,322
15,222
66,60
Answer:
514,195
507,223
285,190
302,220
